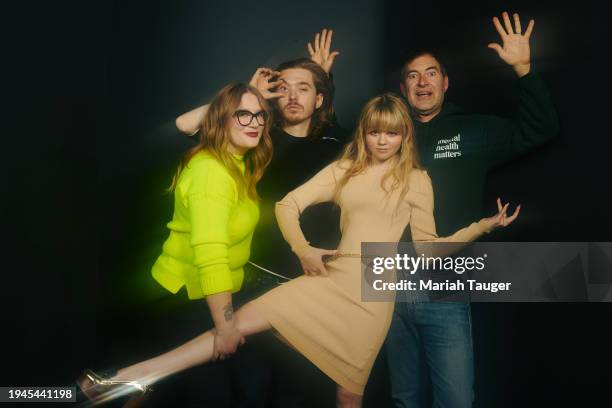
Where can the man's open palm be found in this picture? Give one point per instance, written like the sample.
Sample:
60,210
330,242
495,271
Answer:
515,45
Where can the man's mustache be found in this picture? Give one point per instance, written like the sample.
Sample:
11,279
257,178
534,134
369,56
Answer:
291,105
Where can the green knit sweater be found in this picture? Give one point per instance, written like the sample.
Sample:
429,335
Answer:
210,232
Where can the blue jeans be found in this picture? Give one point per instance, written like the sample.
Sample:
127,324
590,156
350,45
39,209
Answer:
441,334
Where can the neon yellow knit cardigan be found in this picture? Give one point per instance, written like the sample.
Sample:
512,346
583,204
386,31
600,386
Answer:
210,232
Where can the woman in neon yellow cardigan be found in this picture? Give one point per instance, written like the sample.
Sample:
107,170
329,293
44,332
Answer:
215,207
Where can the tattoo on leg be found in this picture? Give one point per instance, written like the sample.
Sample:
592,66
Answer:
228,312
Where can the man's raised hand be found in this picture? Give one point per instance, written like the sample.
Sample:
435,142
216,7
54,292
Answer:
515,45
319,52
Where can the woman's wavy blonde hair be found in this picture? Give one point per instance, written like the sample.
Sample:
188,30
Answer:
386,112
215,139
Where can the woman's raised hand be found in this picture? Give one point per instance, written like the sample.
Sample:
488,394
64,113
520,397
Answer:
261,80
501,219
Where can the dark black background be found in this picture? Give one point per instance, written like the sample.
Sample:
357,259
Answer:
91,91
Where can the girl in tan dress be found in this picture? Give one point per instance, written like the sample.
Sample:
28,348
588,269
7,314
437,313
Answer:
380,189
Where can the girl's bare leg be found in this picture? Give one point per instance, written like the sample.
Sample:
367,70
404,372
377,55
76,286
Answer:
347,399
193,353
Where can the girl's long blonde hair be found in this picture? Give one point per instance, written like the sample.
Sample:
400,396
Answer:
386,112
215,139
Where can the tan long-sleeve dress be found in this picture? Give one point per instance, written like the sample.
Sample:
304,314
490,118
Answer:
323,317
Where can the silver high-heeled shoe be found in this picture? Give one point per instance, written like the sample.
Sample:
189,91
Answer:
99,389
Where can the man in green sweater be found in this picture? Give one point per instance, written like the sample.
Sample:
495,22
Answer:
458,149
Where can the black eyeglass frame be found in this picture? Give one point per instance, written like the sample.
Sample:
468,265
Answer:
260,117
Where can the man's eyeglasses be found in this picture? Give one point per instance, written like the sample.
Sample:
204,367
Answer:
245,117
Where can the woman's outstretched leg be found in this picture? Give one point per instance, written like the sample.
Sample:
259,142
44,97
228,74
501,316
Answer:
347,399
195,352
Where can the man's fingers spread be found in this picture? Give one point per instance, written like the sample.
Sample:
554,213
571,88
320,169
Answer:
507,23
310,50
495,47
529,28
316,42
329,39
517,23
499,27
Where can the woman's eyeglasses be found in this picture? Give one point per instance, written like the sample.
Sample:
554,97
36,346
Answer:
245,117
